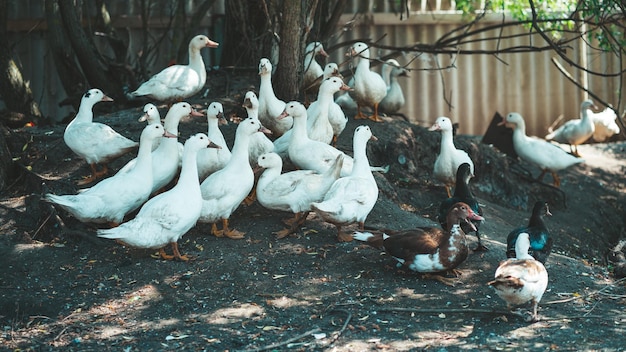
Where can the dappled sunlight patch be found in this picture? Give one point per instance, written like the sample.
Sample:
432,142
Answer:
19,248
286,302
235,314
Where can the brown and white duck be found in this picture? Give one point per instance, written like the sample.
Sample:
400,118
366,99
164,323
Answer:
427,249
521,279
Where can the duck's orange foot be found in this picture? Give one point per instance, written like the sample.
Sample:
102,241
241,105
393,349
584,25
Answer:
86,180
215,232
283,233
444,280
250,198
344,237
375,118
164,255
234,234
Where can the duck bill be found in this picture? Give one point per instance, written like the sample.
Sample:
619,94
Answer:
106,98
168,134
323,53
373,138
143,117
213,145
283,115
474,216
435,127
195,112
221,119
247,103
212,44
471,225
346,87
265,130
502,123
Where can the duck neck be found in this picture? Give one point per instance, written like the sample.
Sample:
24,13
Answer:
189,171
536,220
266,86
519,132
361,163
447,141
324,98
462,190
85,113
586,118
521,250
253,113
309,60
171,125
196,63
240,150
299,128
214,133
144,155
456,235
364,61
268,176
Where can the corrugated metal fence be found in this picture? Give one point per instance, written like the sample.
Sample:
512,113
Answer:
470,88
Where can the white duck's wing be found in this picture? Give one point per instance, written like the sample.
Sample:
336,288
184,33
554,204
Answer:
176,78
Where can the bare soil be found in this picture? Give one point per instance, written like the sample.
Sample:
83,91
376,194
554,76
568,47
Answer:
62,288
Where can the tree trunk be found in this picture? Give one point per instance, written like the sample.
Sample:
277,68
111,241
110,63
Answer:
249,32
15,92
71,77
91,62
289,71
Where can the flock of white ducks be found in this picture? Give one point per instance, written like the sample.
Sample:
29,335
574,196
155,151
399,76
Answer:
340,189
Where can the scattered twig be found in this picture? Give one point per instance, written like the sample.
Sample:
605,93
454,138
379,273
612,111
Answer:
286,342
586,294
343,328
41,226
61,333
451,310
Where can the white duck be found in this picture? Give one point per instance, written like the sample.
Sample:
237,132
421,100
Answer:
292,191
605,125
369,86
152,116
311,78
318,123
169,215
521,279
351,198
576,131
95,142
167,158
543,154
179,82
449,158
111,199
394,99
259,143
212,159
224,190
306,153
337,118
270,107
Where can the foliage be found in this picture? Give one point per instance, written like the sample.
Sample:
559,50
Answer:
600,20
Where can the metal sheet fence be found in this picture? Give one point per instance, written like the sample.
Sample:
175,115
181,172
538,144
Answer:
469,89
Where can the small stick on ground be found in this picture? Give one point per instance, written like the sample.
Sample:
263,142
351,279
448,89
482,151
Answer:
286,342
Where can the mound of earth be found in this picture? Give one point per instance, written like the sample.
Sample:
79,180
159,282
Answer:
62,287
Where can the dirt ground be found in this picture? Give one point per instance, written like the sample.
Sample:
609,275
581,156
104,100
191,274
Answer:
62,288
